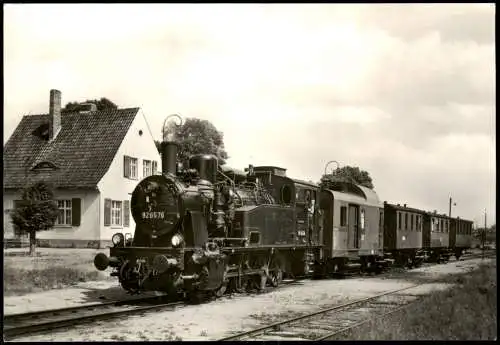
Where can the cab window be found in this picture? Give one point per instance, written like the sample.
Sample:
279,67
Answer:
343,216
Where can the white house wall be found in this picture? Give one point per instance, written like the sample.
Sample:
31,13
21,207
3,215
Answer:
89,222
117,187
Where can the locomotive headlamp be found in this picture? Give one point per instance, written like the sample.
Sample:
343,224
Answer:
177,240
117,238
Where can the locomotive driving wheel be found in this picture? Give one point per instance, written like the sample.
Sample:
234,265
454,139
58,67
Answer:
276,276
238,284
276,272
258,282
223,288
126,281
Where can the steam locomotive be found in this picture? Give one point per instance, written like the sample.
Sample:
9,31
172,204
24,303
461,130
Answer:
201,230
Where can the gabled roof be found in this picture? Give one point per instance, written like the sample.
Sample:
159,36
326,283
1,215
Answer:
79,156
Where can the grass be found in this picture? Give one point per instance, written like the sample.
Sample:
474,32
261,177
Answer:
467,311
49,269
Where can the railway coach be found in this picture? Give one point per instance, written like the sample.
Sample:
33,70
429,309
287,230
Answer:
352,218
436,236
403,235
460,235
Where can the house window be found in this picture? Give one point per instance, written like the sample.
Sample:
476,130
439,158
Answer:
116,213
147,168
155,167
64,217
130,167
343,216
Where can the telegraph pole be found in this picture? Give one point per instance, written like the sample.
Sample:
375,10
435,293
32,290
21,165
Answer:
484,233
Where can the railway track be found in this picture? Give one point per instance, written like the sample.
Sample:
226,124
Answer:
16,325
323,324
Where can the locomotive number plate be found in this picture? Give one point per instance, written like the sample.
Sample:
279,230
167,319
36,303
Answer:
153,215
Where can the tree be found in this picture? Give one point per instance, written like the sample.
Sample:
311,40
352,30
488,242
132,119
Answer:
349,173
198,136
102,104
37,211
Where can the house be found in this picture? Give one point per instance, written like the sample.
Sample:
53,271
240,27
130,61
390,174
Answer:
93,158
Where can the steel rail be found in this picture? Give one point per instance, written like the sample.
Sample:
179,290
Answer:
311,315
329,335
44,326
40,313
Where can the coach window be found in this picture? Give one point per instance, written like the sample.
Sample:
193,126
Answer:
343,216
362,218
399,220
412,226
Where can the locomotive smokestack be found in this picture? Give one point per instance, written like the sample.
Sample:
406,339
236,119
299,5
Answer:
169,144
169,157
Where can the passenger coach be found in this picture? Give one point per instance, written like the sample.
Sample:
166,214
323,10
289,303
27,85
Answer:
403,234
352,223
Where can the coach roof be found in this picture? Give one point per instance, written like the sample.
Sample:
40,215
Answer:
355,193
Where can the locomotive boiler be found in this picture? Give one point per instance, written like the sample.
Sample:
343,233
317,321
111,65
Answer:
198,231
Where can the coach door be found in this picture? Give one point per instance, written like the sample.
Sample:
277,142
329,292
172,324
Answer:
353,227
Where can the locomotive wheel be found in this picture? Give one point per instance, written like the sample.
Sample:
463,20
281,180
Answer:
257,282
221,291
276,277
223,288
261,282
197,296
238,284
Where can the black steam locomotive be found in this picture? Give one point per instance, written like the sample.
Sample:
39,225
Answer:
199,231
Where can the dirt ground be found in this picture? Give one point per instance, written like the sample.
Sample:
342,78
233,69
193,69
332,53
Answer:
232,314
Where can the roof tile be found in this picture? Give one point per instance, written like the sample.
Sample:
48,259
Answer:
82,151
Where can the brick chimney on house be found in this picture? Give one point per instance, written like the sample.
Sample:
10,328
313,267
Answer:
54,114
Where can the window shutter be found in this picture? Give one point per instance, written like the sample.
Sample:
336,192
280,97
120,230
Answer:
76,211
125,166
126,213
107,212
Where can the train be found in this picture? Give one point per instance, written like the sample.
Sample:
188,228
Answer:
203,230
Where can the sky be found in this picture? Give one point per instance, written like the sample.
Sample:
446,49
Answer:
403,91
